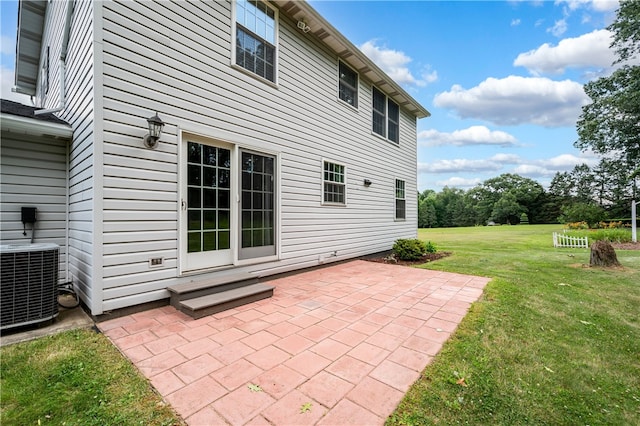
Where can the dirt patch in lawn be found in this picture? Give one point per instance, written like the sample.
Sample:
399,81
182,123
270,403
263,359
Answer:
429,257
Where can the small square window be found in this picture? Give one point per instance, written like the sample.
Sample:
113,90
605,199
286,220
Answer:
348,85
333,183
401,209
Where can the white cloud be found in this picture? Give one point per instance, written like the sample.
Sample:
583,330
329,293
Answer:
559,28
518,100
550,166
474,135
429,75
515,22
597,5
394,63
506,159
508,163
459,165
587,50
458,182
7,82
7,45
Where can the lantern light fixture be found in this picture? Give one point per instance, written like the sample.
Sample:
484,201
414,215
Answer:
155,130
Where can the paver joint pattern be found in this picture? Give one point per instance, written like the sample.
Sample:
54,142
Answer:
338,345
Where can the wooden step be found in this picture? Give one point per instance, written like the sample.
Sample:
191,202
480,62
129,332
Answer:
193,289
201,306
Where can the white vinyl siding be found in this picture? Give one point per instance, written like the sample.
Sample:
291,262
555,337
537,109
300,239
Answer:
124,198
33,173
78,111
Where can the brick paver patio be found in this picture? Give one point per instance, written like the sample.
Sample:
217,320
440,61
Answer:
348,339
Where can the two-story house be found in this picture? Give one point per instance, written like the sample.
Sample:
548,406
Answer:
282,146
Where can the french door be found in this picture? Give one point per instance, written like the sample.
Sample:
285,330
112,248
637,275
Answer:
207,206
257,205
228,206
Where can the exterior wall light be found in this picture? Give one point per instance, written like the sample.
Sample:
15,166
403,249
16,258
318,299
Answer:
155,130
367,183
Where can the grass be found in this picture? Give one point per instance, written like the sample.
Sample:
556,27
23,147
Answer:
75,378
550,342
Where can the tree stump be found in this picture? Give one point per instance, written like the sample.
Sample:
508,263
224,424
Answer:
603,254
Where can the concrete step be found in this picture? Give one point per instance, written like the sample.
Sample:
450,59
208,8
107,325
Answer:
193,289
209,304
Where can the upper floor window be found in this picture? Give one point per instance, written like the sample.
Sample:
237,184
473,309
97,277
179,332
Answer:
401,208
333,183
348,85
386,116
256,38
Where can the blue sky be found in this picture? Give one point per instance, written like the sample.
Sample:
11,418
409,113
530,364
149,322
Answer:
502,79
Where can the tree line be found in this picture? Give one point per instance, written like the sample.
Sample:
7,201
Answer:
591,194
609,126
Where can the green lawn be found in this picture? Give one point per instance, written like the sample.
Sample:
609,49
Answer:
75,378
551,341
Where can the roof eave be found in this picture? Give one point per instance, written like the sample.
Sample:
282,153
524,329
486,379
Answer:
34,127
349,53
31,15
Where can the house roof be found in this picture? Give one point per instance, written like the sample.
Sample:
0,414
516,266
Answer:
19,118
349,53
31,22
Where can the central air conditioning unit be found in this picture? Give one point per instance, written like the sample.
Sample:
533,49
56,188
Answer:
29,284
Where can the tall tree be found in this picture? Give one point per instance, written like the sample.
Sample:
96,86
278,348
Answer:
611,123
525,191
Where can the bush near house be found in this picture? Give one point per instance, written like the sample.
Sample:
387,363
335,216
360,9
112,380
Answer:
411,249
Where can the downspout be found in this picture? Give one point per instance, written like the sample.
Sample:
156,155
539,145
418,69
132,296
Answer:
63,64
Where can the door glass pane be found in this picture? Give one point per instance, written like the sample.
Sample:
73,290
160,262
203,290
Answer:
208,206
194,220
223,240
257,205
194,242
209,241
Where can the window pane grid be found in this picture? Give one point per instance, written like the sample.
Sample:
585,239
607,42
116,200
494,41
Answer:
400,200
334,183
255,38
386,116
348,86
258,218
208,195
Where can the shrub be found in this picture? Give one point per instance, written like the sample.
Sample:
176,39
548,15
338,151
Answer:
430,247
582,212
613,235
578,225
409,249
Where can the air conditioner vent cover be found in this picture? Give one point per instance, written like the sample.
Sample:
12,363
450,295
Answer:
29,284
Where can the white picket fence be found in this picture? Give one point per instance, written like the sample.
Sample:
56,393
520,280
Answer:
563,240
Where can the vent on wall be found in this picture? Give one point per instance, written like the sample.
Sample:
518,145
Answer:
29,284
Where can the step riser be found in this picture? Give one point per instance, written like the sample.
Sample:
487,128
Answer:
176,298
210,310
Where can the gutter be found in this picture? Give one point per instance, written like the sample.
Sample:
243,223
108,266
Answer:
30,126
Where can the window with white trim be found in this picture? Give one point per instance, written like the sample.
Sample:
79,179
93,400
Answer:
256,28
386,116
348,84
333,183
401,206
